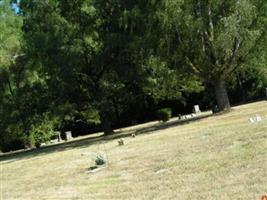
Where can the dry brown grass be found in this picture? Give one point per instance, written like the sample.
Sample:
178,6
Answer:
220,157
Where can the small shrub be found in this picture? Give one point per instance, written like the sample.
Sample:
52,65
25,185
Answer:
42,132
164,114
100,160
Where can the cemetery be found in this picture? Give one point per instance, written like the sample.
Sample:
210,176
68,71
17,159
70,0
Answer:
193,160
133,100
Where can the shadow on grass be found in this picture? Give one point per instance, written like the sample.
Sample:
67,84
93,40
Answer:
82,143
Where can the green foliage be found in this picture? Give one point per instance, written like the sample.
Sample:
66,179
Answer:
94,55
43,131
166,83
67,61
211,39
249,84
12,138
164,114
11,125
10,35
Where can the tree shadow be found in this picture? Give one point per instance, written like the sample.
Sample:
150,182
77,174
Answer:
161,126
83,143
24,154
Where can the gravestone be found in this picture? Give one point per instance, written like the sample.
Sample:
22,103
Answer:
251,120
258,118
42,144
54,141
255,119
196,109
68,135
58,136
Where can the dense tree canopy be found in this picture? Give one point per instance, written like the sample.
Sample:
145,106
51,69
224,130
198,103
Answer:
95,52
10,45
97,61
213,39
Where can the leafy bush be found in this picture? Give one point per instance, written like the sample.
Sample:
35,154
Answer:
164,114
42,132
100,160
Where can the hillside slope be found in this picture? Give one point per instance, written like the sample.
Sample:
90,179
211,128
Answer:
218,157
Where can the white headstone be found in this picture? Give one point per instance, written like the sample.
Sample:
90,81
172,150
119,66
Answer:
258,118
251,120
58,136
42,144
68,135
255,119
196,109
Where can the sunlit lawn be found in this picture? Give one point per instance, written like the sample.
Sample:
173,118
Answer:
218,157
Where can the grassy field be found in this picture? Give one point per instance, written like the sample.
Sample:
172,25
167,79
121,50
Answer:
216,157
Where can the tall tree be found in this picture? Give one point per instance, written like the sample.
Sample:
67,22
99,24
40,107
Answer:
23,86
10,49
97,53
213,39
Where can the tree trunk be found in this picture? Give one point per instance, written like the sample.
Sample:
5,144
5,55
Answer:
106,124
222,95
242,93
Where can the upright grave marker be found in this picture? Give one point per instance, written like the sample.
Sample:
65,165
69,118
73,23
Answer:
68,135
196,109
